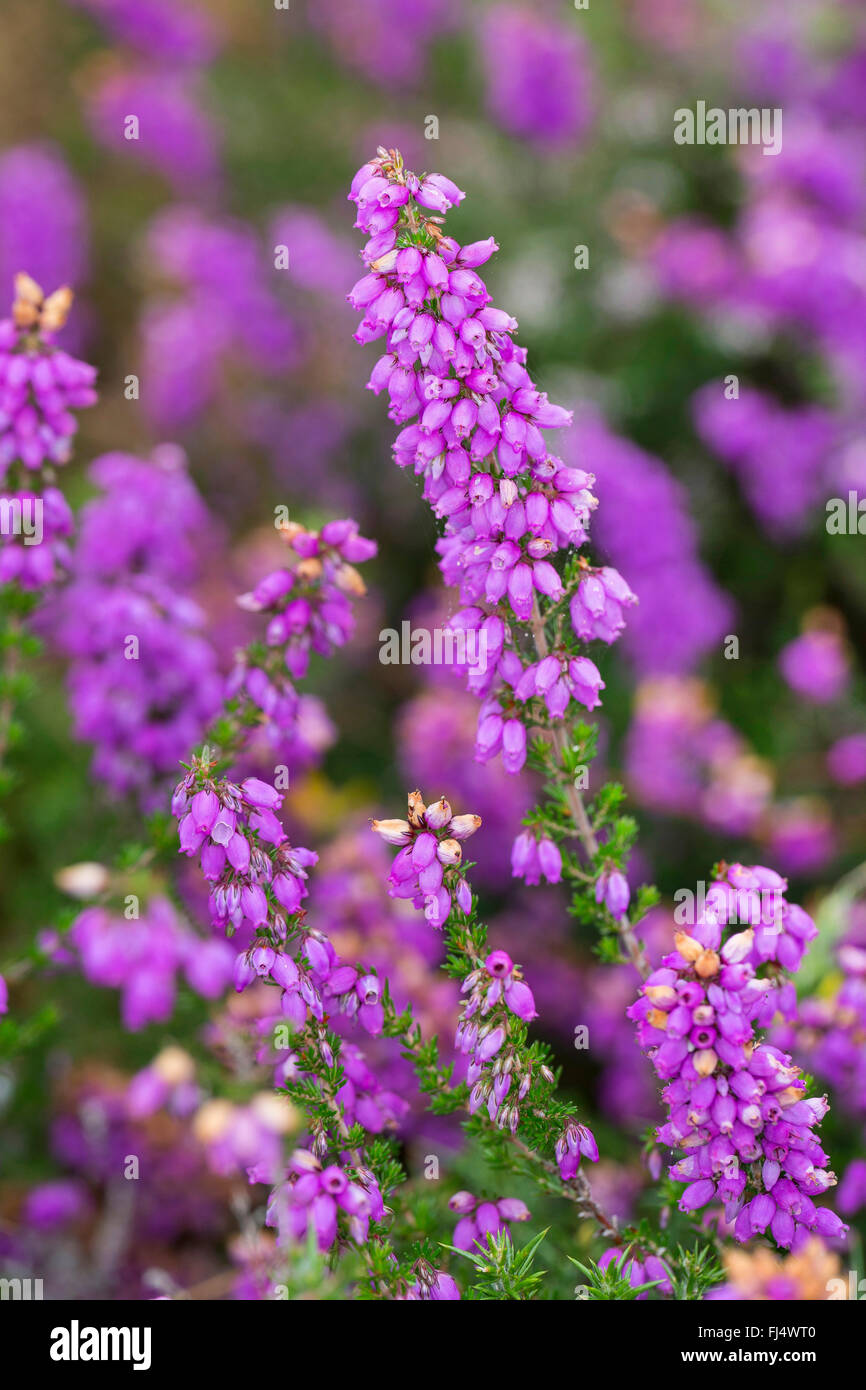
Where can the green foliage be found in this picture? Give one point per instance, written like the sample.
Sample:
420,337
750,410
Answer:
610,1284
501,1272
693,1271
18,1036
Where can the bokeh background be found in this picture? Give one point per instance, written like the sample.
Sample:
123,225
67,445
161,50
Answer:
704,263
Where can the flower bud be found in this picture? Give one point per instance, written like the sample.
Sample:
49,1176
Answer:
393,832
461,827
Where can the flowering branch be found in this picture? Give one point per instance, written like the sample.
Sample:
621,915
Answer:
509,1079
738,1109
40,387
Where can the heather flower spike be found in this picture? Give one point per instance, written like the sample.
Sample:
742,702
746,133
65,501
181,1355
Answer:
515,517
496,1002
738,1112
41,383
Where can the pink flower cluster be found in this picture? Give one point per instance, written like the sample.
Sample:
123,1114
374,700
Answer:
498,1075
28,560
308,601
737,1107
479,1219
243,850
40,384
315,1198
142,957
425,869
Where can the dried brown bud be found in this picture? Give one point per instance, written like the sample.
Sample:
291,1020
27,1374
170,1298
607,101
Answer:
707,965
688,948
661,994
212,1120
438,814
416,809
310,570
85,880
349,581
55,310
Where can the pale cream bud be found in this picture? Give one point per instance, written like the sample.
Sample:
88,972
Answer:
449,852
393,832
85,880
688,948
705,1062
275,1112
55,310
461,827
174,1066
707,965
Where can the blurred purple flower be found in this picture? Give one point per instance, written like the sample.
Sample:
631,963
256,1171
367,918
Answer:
537,75
172,30
815,666
174,135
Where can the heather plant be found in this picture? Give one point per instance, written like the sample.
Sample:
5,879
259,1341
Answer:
516,522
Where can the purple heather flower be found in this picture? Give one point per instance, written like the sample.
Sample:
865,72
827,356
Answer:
574,1143
472,422
426,869
308,605
52,1205
462,1202
597,607
825,1031
388,43
683,759
318,260
142,959
175,136
40,384
175,33
779,456
612,889
532,859
638,1271
801,834
537,76
312,1198
223,312
226,825
852,1188
144,680
682,613
436,1286
25,560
